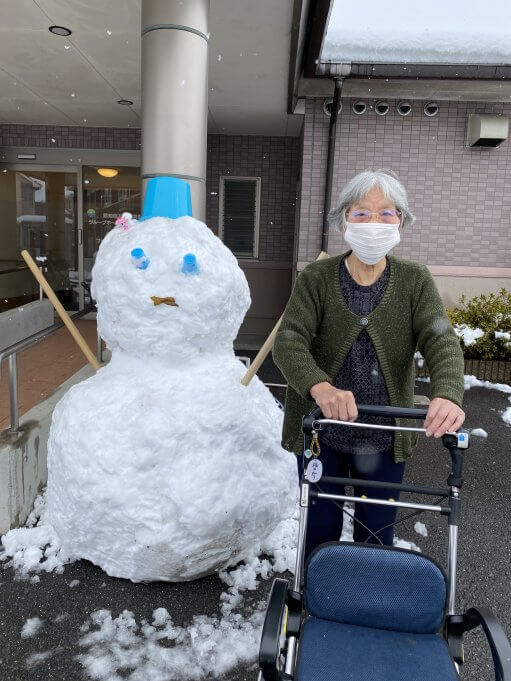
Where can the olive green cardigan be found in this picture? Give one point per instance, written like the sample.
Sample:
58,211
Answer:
318,329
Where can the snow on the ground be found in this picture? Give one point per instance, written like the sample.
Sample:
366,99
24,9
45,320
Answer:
421,529
403,544
479,432
34,548
505,335
506,416
73,583
143,651
37,658
31,627
469,335
473,382
157,650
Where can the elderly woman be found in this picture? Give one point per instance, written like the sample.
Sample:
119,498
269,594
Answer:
348,336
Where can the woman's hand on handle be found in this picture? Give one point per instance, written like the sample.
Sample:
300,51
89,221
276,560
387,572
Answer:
443,416
334,403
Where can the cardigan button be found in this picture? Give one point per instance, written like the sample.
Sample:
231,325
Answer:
364,321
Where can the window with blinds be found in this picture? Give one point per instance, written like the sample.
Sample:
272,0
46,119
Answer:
239,214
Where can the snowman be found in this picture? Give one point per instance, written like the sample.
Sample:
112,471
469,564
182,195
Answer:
163,466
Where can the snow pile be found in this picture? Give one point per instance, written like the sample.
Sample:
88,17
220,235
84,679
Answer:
479,432
469,335
421,529
116,648
505,335
31,627
506,416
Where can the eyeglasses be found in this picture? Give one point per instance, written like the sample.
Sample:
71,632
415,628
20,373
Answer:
385,215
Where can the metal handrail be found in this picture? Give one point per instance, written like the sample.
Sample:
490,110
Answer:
14,269
11,353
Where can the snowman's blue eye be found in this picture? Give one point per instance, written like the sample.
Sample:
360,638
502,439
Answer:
139,259
190,265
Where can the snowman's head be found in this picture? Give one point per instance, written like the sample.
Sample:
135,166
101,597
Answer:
168,288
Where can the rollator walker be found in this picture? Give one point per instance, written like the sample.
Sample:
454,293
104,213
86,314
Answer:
368,612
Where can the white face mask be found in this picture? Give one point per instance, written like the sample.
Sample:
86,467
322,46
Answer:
371,241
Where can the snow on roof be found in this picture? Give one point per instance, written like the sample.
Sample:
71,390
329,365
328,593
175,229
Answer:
436,32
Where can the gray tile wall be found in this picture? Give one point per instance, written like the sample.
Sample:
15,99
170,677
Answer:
74,137
460,196
276,160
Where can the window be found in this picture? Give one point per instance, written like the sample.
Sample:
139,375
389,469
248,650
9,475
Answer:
239,214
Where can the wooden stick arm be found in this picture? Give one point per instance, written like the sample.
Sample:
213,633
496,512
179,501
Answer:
268,343
71,326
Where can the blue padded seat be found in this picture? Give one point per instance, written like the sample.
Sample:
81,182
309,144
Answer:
330,651
375,586
373,615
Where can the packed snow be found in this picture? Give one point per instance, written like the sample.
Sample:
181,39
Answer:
163,466
506,416
421,529
31,627
469,335
456,32
479,432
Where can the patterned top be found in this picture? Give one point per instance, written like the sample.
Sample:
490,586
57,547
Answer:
361,374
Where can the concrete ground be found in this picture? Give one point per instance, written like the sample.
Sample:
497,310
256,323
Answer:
484,572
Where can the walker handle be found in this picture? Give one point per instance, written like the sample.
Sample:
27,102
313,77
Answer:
369,410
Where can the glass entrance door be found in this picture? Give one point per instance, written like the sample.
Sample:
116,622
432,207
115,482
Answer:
107,193
38,212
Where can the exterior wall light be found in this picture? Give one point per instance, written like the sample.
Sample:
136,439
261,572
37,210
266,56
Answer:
108,172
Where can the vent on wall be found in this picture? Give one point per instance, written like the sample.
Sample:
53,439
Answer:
486,130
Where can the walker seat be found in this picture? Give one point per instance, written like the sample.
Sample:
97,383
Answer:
374,611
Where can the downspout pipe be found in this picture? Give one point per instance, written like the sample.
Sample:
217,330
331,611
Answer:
330,161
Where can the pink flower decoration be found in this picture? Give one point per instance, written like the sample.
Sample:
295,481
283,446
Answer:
122,223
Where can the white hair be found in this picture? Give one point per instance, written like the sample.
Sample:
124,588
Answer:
360,185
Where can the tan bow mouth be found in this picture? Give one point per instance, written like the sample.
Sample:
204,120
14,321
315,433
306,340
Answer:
166,301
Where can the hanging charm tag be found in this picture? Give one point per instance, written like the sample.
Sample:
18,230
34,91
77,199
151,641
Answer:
307,453
314,470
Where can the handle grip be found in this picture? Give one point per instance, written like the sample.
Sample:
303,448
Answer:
380,410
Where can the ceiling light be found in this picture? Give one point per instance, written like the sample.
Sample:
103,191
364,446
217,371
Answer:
60,30
125,102
108,172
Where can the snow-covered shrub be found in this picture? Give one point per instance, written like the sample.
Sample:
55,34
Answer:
483,324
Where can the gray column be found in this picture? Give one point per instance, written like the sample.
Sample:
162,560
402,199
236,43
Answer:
175,93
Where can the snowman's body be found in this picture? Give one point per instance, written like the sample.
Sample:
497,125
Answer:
162,466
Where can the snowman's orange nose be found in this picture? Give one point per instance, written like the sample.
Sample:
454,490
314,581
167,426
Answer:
166,301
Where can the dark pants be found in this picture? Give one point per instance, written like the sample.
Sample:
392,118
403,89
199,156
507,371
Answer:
326,518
